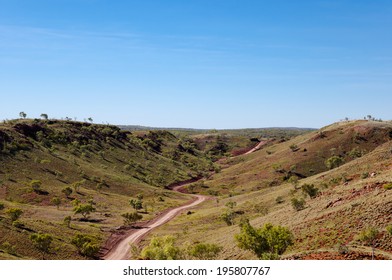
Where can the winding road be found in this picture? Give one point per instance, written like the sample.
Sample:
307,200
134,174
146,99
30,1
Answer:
121,251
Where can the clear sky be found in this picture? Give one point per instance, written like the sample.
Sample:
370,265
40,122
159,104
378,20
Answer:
200,63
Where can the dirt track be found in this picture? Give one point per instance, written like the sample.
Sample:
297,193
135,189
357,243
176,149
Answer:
258,147
121,251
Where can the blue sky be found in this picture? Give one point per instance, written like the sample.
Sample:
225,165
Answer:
201,63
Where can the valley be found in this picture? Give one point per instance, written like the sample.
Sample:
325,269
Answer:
76,181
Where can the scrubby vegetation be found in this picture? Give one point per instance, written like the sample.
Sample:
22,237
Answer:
326,187
315,195
165,248
68,177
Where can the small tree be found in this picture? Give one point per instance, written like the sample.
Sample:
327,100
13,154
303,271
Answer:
87,245
67,221
44,116
67,191
268,242
137,204
90,119
334,161
369,237
42,242
14,213
228,217
130,218
23,115
84,209
77,185
36,185
56,201
310,190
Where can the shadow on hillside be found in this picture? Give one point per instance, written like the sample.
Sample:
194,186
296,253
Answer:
96,221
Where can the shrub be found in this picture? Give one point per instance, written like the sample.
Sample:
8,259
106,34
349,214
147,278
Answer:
293,180
355,153
36,185
8,248
1,206
389,229
260,208
298,203
76,186
228,217
162,248
56,202
365,175
294,148
388,186
18,224
14,213
310,190
369,237
136,204
268,242
333,162
279,200
87,245
231,204
67,221
342,249
130,218
67,191
204,251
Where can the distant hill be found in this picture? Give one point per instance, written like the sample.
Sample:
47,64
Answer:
268,132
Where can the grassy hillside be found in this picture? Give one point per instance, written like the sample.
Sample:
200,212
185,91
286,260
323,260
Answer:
101,165
347,165
350,199
300,157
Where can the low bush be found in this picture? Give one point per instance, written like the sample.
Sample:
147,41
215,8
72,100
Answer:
298,203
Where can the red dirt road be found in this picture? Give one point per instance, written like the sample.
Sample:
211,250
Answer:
121,251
